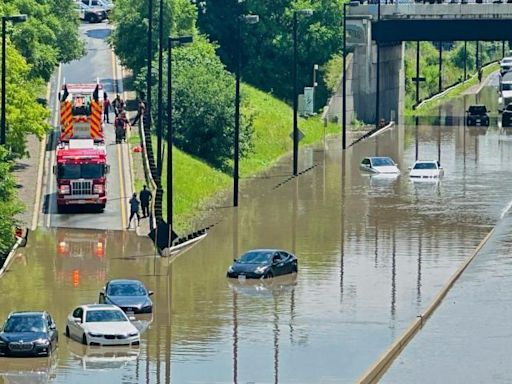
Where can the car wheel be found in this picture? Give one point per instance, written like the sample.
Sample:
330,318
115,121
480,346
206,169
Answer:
84,339
269,275
67,332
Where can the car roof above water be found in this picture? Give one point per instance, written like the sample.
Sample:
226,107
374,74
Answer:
27,313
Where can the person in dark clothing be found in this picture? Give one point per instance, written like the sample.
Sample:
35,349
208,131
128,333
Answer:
134,210
140,111
118,105
145,197
106,108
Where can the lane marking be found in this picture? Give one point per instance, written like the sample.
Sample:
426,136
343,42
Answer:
120,162
51,183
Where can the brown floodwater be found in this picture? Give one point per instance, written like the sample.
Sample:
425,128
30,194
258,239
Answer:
373,252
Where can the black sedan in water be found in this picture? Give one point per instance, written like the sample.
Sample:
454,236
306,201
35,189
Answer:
129,295
263,263
28,334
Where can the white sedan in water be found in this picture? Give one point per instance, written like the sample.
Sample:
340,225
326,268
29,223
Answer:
101,324
426,169
380,165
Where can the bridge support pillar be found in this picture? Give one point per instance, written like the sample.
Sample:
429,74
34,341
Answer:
391,84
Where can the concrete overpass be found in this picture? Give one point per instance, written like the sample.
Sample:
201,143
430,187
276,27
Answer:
376,33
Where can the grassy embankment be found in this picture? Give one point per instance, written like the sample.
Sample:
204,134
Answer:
427,108
197,183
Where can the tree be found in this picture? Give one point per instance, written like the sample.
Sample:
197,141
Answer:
129,37
9,205
24,115
268,46
49,36
203,105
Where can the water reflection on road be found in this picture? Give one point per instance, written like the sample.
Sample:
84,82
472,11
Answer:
372,252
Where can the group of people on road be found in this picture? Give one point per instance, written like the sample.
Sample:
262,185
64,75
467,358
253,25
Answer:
143,201
121,122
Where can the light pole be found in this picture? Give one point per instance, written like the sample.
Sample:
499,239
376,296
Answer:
5,19
149,57
306,13
344,96
160,80
247,19
170,41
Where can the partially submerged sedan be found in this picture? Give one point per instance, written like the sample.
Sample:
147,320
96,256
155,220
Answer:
28,334
379,165
426,169
129,295
101,324
263,263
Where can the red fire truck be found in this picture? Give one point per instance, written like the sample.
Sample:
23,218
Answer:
81,112
81,174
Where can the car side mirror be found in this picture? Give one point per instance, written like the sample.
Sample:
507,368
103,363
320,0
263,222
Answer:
409,168
77,320
150,293
102,293
131,318
235,260
53,327
107,169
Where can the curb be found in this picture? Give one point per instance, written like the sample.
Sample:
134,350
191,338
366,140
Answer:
10,256
377,369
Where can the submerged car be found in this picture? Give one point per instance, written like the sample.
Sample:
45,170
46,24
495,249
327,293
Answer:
426,169
263,263
28,334
506,118
379,165
129,295
101,324
477,115
505,65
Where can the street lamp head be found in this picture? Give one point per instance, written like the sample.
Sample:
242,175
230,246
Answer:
251,19
16,18
181,39
305,12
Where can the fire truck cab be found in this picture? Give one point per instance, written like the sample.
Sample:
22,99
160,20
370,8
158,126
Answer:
81,174
81,112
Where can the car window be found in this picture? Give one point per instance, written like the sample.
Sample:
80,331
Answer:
366,162
425,166
100,316
506,86
284,255
78,313
255,257
25,324
129,289
477,110
382,161
276,258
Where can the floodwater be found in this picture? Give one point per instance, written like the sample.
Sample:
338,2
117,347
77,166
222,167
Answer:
373,252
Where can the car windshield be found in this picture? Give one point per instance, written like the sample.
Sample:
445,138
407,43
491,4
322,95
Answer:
259,257
125,290
424,166
24,324
477,110
81,171
506,61
382,161
104,315
506,86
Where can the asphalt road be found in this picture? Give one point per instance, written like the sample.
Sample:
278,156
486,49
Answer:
98,64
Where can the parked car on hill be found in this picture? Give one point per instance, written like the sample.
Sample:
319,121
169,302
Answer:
505,65
477,115
28,334
91,14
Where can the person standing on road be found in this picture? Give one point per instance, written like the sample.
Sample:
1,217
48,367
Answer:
106,108
145,197
134,210
118,105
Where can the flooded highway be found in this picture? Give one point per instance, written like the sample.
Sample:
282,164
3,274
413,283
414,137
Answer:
373,251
